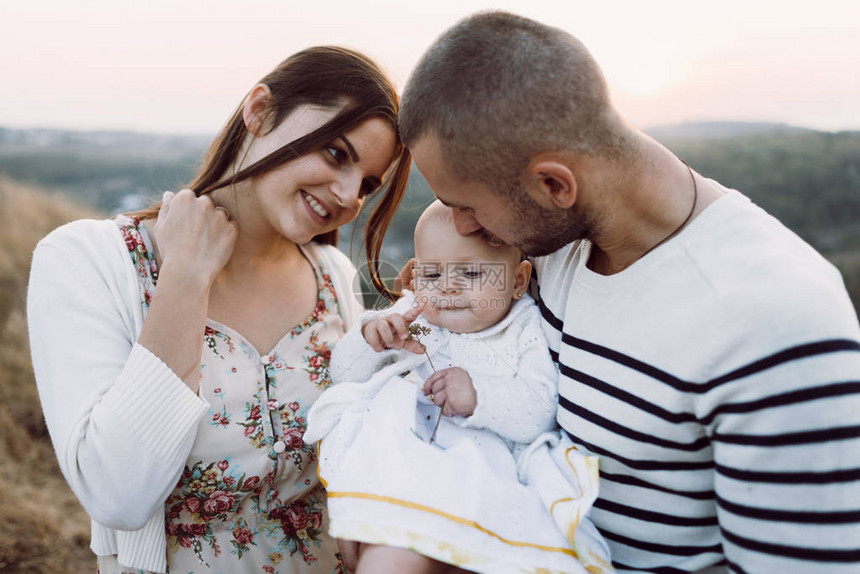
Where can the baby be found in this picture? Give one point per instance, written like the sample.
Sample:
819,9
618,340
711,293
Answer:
434,437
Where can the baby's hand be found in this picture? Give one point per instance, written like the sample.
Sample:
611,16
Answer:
452,389
392,332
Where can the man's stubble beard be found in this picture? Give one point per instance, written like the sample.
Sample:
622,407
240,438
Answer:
544,231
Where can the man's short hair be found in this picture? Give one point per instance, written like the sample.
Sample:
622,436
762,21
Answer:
497,89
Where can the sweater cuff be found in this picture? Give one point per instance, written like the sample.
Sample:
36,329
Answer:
157,406
482,416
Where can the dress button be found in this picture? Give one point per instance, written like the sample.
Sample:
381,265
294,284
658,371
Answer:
265,359
279,447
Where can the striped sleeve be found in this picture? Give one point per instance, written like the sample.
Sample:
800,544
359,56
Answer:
786,440
757,470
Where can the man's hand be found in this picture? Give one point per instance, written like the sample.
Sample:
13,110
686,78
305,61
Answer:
452,389
392,332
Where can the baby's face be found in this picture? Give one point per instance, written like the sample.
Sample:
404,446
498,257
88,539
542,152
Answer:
466,285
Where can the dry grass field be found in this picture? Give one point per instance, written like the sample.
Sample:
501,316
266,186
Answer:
43,528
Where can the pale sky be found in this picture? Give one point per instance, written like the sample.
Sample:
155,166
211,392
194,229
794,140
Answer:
182,66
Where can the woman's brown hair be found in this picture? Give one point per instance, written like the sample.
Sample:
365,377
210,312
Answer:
325,76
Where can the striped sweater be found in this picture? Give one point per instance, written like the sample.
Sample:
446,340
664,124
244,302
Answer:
718,380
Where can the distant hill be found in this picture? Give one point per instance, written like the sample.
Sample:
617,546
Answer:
113,171
809,180
127,144
719,130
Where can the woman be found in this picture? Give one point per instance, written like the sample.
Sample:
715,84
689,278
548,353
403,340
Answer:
177,412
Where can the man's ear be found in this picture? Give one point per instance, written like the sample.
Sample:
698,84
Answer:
551,182
255,109
522,274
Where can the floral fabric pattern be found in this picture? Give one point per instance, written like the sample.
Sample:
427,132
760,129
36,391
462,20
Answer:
141,258
249,499
317,358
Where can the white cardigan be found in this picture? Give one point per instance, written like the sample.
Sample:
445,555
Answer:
122,422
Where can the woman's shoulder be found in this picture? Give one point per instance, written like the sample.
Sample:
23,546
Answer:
333,262
90,247
85,252
342,274
331,258
80,234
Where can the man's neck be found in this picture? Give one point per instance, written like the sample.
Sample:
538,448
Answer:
645,203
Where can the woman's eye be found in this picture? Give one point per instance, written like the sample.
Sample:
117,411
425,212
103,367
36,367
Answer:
339,155
473,274
431,275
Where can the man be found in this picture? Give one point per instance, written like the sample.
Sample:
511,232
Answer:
707,355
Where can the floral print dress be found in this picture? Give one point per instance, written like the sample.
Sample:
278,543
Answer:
249,499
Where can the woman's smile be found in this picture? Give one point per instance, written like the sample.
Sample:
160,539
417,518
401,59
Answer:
316,207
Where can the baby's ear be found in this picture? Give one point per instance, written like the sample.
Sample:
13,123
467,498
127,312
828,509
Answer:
522,274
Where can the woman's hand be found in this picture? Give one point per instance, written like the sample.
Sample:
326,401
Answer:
453,390
193,235
194,240
392,332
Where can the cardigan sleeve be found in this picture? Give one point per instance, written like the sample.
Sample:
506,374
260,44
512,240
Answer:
122,423
521,405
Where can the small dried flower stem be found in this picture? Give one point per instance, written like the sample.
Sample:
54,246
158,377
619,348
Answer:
428,360
417,331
